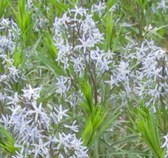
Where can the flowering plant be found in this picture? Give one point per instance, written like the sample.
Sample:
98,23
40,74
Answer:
82,79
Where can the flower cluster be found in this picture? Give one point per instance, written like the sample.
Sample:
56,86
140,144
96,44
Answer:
76,38
143,72
9,37
40,132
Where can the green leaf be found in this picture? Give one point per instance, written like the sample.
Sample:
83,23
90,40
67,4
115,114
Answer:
86,89
6,141
3,6
147,125
98,122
